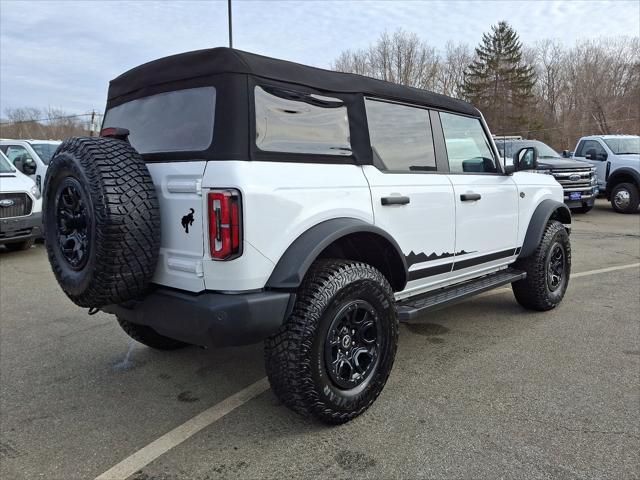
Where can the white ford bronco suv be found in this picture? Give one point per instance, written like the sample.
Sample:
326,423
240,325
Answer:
234,198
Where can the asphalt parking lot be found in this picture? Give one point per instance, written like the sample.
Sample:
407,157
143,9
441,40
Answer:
483,389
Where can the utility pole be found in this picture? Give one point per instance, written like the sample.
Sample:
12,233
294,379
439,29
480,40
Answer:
230,27
92,126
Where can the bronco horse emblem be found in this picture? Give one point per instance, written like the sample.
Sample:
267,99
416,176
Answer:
187,220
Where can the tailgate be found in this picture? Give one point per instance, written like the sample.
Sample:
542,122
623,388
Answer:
178,186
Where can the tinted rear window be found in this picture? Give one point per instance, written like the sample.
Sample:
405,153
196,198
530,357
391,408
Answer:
178,121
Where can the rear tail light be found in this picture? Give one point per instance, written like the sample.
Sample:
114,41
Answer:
225,224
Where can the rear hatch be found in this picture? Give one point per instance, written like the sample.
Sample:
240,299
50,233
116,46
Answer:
171,127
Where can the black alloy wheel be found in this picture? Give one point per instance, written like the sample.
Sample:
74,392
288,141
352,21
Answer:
73,223
352,345
556,265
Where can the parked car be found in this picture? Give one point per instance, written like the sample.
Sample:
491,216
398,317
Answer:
234,198
578,179
20,208
31,157
617,162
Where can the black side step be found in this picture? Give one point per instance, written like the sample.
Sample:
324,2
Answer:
412,308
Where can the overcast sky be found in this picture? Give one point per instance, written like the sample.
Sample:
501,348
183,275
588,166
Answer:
62,54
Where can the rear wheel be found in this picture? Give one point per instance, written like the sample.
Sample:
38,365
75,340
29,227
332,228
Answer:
625,198
548,270
332,357
149,337
17,246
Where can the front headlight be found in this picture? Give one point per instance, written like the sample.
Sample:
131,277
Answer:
35,191
543,171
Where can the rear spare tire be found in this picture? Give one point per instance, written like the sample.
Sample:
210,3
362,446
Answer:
102,221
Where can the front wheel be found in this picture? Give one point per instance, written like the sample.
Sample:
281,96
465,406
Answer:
332,357
625,198
583,209
548,270
17,246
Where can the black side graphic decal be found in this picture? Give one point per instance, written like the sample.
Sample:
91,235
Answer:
414,258
187,220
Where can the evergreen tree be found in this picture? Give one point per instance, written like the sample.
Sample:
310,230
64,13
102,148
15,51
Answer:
499,82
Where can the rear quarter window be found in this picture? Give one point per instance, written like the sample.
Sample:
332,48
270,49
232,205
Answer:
178,121
288,121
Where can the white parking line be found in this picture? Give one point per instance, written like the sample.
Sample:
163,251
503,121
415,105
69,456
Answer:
148,454
498,291
158,447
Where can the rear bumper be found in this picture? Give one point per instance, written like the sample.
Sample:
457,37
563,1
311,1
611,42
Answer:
208,318
18,229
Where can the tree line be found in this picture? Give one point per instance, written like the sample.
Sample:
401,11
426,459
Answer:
547,91
49,124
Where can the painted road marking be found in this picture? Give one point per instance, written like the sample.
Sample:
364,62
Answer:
148,454
175,437
498,291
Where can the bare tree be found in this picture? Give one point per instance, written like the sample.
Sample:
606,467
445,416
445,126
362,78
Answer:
28,123
399,58
450,75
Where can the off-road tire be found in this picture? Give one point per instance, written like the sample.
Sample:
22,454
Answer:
634,198
295,355
149,337
17,246
121,220
583,209
534,292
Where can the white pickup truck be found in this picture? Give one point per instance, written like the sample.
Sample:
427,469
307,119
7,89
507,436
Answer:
617,162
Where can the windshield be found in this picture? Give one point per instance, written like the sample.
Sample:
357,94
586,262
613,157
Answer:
625,145
5,165
509,148
45,150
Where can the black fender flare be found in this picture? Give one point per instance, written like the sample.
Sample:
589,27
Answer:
296,260
538,222
611,179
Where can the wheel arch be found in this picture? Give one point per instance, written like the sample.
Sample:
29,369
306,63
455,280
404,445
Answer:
547,210
346,238
622,175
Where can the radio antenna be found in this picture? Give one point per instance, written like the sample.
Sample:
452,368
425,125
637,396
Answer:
230,27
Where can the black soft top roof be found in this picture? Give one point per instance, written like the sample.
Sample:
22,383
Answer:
203,63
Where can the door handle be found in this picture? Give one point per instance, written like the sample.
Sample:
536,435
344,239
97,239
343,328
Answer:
468,197
395,200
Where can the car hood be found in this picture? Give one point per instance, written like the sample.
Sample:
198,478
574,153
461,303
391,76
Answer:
546,163
15,182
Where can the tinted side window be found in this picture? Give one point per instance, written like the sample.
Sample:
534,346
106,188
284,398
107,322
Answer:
401,137
468,148
16,151
592,145
297,122
578,152
178,121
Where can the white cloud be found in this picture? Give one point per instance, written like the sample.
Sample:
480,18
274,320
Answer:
63,54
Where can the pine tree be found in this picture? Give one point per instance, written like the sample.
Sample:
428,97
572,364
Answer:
499,82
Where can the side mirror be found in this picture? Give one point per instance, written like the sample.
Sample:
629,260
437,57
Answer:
526,159
510,169
565,154
29,167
